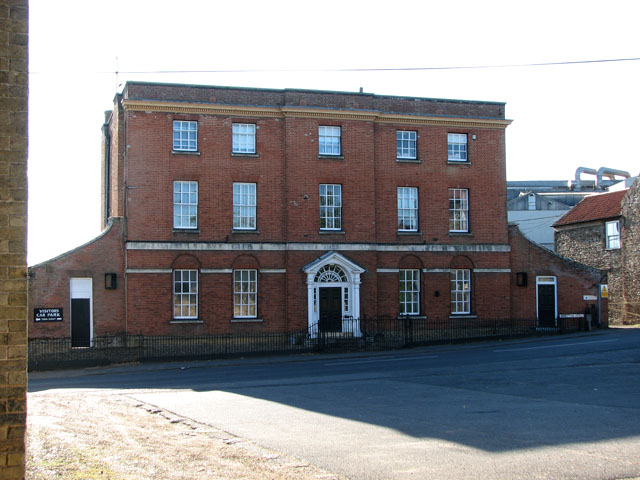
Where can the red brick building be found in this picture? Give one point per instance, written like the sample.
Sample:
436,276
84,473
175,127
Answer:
232,209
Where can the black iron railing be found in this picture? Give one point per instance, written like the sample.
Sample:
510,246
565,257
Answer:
363,334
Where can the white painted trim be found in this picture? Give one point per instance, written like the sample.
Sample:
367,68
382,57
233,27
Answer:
436,270
216,270
149,270
346,247
273,270
388,270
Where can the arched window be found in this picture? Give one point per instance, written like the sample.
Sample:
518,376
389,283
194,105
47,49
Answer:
330,274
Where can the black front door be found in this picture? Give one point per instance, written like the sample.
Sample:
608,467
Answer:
330,309
546,305
80,319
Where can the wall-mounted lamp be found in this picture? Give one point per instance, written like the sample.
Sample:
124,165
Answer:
521,279
110,281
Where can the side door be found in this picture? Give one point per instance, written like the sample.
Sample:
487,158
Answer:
546,293
81,293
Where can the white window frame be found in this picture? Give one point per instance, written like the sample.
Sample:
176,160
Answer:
407,209
457,147
612,235
531,202
185,136
185,294
245,202
244,138
409,292
458,210
460,292
185,205
407,144
329,140
330,206
245,293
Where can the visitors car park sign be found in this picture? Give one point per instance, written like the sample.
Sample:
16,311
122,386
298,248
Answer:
47,314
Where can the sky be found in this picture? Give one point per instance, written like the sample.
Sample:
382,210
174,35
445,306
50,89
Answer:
576,113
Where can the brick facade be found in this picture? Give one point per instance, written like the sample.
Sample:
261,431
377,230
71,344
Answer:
289,252
574,280
13,240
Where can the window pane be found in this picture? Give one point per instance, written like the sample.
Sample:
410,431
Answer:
185,135
330,206
245,289
407,208
461,291
244,138
329,140
185,204
457,146
244,206
185,297
458,210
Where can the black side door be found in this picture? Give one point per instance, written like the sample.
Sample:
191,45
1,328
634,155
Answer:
546,306
80,320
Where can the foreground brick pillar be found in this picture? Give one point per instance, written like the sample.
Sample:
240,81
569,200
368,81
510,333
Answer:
13,236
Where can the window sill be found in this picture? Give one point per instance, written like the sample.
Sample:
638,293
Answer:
330,157
409,233
185,152
459,162
408,160
242,232
247,155
612,249
331,232
246,320
465,316
417,317
189,231
185,321
460,234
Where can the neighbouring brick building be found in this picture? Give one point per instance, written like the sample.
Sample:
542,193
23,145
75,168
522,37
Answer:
13,236
602,231
238,209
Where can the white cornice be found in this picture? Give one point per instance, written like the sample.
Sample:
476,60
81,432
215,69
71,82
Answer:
302,112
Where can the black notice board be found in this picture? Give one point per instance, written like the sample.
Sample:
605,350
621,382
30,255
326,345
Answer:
47,314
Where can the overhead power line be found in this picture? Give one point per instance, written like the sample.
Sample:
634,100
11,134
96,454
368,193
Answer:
394,69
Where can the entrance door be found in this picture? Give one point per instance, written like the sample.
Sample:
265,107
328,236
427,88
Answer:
80,322
81,293
330,319
547,305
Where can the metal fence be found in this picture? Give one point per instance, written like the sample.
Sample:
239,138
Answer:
363,334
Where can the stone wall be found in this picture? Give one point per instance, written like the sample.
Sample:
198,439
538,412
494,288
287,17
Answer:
630,298
585,243
13,236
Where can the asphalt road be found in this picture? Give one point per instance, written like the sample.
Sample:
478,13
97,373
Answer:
561,407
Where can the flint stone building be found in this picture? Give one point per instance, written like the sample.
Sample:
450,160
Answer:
239,209
602,231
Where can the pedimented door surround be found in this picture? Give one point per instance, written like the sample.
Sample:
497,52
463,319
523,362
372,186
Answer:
333,270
